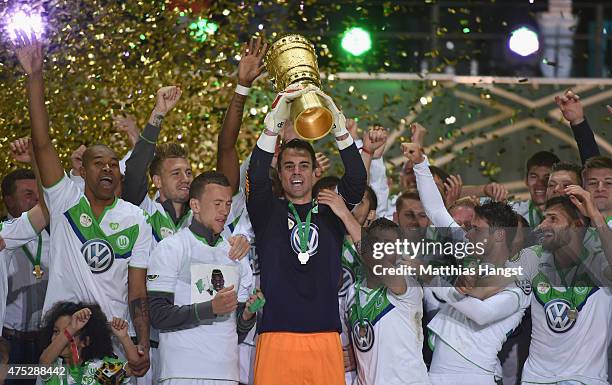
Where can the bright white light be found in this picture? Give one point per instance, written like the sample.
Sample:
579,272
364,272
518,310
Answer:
523,41
423,100
450,120
26,22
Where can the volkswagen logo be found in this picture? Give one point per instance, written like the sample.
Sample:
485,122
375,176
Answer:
557,315
363,335
348,278
313,239
98,255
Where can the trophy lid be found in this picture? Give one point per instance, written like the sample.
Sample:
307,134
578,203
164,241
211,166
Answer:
292,59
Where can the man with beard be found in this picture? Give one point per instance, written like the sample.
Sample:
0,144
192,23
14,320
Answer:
99,244
570,301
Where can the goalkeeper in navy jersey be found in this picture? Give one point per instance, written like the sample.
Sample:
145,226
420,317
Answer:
299,245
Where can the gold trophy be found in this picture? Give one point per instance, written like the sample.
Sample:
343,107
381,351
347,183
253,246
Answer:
292,60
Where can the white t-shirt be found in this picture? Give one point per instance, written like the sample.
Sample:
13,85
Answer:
388,343
186,265
475,330
15,233
89,258
563,348
26,293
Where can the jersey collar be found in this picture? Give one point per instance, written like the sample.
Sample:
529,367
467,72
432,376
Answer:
201,231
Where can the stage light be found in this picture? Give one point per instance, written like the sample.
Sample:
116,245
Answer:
27,22
201,28
356,41
523,41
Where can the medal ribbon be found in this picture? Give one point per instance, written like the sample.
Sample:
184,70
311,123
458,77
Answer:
303,231
35,261
570,287
533,212
375,294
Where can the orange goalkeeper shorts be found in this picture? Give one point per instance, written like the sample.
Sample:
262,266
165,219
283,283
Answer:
299,359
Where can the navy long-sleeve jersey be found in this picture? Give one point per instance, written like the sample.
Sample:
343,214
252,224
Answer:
299,298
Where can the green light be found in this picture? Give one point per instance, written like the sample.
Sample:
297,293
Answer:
201,28
466,30
356,41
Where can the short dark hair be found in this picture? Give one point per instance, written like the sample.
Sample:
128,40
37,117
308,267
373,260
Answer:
499,215
373,200
437,171
208,177
541,158
165,151
9,182
568,207
300,145
372,234
406,195
327,182
570,167
598,162
96,329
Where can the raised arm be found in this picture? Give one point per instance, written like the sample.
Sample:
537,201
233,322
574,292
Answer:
259,186
249,68
29,54
23,152
135,182
572,111
482,312
353,183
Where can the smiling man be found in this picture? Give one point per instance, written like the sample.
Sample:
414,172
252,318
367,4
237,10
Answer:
538,168
568,303
299,244
99,244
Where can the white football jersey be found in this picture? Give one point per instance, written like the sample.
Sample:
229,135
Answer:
187,266
387,334
570,325
89,257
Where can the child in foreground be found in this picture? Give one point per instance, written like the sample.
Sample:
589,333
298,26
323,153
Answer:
80,341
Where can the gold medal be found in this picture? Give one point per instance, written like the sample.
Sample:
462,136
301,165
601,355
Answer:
38,273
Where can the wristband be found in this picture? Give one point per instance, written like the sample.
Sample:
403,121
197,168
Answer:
367,151
242,90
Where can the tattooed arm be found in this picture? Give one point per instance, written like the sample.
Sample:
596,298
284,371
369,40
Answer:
248,69
135,183
139,311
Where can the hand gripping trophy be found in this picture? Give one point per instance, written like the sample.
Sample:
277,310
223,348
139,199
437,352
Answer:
291,61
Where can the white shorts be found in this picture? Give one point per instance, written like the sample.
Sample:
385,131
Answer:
246,358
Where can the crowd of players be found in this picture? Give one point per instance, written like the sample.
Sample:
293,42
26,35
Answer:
264,272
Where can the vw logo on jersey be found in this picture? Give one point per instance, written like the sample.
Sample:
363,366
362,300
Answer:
313,239
165,232
348,278
363,335
557,315
98,255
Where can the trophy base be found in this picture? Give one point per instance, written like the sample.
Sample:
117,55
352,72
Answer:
311,119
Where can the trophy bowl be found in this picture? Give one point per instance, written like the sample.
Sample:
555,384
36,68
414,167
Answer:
292,60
